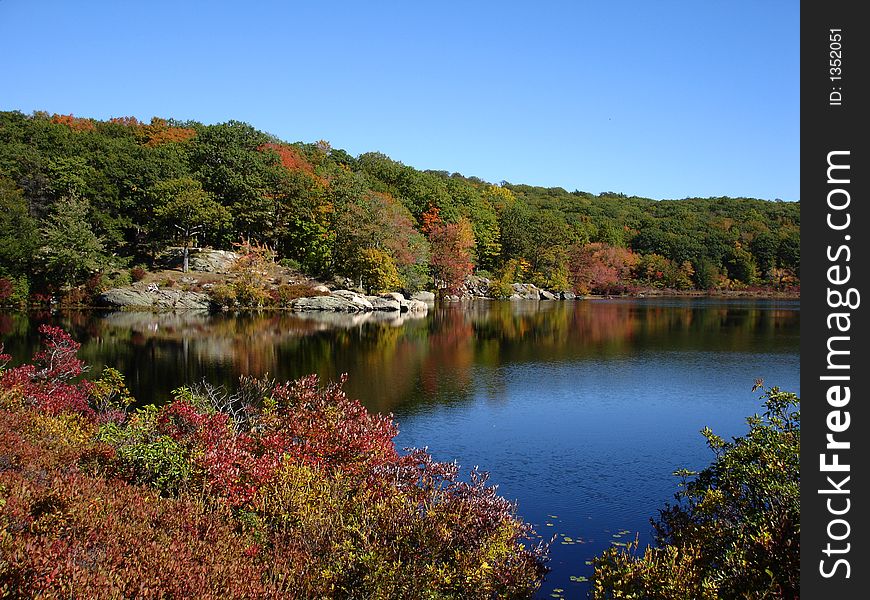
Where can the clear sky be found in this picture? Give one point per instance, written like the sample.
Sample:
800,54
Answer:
662,99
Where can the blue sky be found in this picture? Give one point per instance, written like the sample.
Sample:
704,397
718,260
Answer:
660,99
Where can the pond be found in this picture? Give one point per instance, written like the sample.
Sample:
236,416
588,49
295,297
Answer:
581,411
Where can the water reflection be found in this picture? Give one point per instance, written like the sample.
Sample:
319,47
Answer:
391,360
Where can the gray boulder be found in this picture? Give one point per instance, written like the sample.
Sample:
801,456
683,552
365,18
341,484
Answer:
325,303
167,299
525,291
414,306
475,287
545,295
358,299
382,303
203,260
568,295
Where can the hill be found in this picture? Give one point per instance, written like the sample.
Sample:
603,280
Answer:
82,201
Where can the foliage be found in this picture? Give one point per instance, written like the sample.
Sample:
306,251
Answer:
277,490
599,267
137,273
285,293
512,272
148,184
667,573
70,250
48,382
376,271
734,531
250,274
18,231
654,270
451,255
184,211
14,292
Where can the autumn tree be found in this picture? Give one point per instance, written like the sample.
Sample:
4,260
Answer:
599,267
251,273
375,224
375,271
451,255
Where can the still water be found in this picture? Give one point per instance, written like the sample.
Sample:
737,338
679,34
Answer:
581,411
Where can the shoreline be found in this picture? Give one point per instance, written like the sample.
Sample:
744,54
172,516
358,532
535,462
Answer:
639,295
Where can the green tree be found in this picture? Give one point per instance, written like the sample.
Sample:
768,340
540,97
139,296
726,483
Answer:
18,234
789,252
70,249
764,247
741,265
186,211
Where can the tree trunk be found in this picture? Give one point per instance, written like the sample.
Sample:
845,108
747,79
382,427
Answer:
186,262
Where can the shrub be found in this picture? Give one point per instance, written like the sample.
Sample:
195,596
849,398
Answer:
734,531
77,296
137,273
285,293
291,264
278,490
249,295
47,383
67,533
500,286
222,295
118,279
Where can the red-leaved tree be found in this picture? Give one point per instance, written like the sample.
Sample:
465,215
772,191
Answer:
452,244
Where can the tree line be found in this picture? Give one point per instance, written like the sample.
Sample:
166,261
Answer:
83,200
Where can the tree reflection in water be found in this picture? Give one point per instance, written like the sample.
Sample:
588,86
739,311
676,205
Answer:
395,361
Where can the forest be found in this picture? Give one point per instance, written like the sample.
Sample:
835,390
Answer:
85,202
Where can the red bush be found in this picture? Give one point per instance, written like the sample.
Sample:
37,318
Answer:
6,289
47,382
275,491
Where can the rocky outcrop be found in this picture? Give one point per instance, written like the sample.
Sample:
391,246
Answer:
475,287
414,306
380,303
481,287
325,304
203,260
167,299
352,302
525,291
354,298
